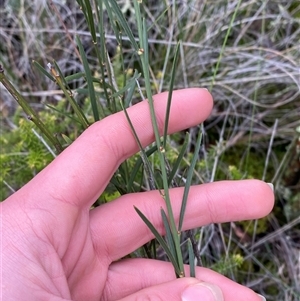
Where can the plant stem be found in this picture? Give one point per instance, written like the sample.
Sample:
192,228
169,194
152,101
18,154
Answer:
144,56
31,114
68,94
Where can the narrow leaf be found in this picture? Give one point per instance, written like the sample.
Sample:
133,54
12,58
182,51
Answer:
60,80
191,259
189,180
61,76
146,162
160,240
113,5
67,139
112,21
158,18
77,75
171,87
169,236
216,69
129,95
43,70
179,159
90,19
137,166
89,79
63,113
131,84
101,49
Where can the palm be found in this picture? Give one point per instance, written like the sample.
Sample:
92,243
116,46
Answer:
81,256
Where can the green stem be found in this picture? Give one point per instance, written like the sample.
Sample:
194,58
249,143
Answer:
31,114
69,97
224,44
143,52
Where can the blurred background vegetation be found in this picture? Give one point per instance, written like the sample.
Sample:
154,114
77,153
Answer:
253,131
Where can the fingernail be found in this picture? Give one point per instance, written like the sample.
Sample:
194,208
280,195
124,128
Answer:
271,186
203,292
262,297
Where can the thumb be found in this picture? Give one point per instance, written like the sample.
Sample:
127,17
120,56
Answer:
183,289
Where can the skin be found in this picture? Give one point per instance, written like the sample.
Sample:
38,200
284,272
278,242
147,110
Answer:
55,248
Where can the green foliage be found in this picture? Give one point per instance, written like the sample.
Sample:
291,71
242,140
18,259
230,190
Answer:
229,264
23,154
255,228
108,196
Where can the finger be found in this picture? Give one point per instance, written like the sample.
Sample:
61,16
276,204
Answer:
184,289
84,169
123,231
134,275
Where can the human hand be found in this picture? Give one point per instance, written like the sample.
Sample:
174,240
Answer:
55,248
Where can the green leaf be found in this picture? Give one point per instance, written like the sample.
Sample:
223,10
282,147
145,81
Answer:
131,90
137,166
113,5
169,236
90,19
113,22
160,240
146,162
61,76
43,70
61,81
179,159
62,113
67,139
89,79
171,87
71,77
131,84
191,259
189,180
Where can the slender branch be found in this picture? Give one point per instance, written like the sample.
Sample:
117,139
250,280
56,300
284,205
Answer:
31,114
